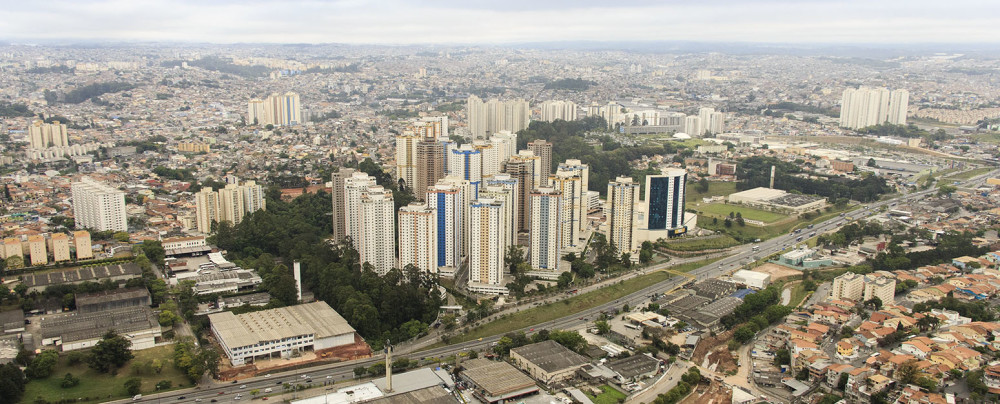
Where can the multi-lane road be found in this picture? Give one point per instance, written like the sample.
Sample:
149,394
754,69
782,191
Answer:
317,375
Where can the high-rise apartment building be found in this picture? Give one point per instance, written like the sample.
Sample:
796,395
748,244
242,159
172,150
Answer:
466,162
503,193
98,206
59,244
665,201
524,167
37,253
450,200
692,125
543,150
611,112
881,287
418,237
430,165
487,245
582,170
493,116
206,208
354,186
510,186
406,158
866,106
277,110
491,157
623,195
553,110
231,204
546,228
338,194
377,238
43,135
569,184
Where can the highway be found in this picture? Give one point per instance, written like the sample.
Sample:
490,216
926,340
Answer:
345,370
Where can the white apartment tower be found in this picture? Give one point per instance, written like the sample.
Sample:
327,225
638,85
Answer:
277,110
623,195
98,206
553,110
505,193
406,156
43,135
377,240
206,208
849,286
418,237
493,116
866,106
569,185
466,162
231,203
487,243
582,170
354,186
546,228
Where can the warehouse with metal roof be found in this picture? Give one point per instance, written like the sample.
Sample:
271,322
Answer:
282,331
547,361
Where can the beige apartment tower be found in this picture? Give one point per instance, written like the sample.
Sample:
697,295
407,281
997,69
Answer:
37,251
59,243
84,250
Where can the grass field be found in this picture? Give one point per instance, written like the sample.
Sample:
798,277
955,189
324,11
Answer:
723,241
969,174
692,195
576,304
96,386
749,233
722,210
799,294
610,395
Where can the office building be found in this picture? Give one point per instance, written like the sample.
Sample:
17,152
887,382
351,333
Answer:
487,246
98,206
866,106
546,228
466,162
573,211
81,240
338,194
43,135
418,237
665,202
524,167
276,110
377,238
622,196
450,199
543,150
553,110
493,116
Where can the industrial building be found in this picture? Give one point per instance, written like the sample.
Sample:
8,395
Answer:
547,361
752,279
114,273
313,326
777,200
112,299
74,331
496,382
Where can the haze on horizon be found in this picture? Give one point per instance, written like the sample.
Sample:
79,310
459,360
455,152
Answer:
506,22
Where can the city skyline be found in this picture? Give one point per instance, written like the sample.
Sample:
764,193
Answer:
393,22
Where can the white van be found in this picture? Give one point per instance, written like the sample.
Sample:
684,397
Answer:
136,397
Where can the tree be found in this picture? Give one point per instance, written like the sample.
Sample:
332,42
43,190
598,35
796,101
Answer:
133,385
703,185
871,163
907,372
842,383
602,327
14,262
43,364
874,302
782,357
164,385
112,351
565,279
946,190
121,236
12,383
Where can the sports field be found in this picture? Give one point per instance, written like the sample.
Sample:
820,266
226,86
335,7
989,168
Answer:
721,210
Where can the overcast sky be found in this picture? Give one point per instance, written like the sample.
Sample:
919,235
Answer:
503,21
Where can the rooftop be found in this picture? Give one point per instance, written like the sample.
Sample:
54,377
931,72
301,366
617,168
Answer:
79,327
634,365
80,275
550,356
114,294
497,378
275,324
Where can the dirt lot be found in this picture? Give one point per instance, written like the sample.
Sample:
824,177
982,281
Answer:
718,356
715,393
776,271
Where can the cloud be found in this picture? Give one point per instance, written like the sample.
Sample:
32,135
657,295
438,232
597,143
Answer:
460,22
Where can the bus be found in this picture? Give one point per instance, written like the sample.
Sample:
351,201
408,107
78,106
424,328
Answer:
632,326
755,248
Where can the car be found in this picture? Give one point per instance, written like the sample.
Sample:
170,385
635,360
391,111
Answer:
136,397
236,398
214,401
265,398
181,398
243,386
309,380
267,390
197,400
304,376
267,375
234,382
221,393
329,377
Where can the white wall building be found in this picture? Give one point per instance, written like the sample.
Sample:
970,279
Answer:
866,106
622,196
43,135
450,201
556,109
377,239
354,186
98,206
487,245
546,228
418,237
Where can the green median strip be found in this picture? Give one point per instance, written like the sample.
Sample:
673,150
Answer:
573,305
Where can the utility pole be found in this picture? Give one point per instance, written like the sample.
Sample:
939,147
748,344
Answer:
388,367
